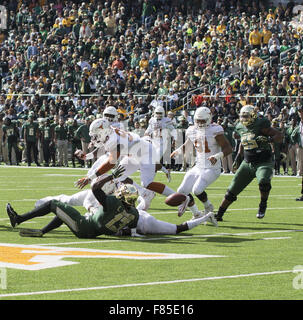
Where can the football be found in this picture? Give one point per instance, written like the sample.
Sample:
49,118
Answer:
175,199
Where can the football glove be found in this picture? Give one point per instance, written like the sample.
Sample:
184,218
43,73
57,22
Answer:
118,171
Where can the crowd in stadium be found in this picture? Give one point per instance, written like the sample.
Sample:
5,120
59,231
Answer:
63,62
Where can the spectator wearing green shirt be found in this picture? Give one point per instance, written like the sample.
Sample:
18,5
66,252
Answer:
61,140
30,134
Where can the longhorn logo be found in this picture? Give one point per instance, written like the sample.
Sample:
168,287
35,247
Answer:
31,257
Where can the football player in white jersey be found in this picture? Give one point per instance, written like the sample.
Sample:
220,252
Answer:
211,146
147,224
163,135
133,152
110,114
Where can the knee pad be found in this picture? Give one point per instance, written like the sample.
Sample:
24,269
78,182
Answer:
264,186
230,196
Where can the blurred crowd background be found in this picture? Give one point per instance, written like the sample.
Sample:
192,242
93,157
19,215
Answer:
63,62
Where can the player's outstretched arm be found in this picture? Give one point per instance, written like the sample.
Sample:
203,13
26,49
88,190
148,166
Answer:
100,182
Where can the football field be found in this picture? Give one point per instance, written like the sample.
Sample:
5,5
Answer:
244,258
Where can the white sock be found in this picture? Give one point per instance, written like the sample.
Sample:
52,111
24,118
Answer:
194,209
167,191
193,223
206,203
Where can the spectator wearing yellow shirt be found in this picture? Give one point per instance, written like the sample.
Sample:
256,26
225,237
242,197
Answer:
198,43
221,28
254,62
255,38
266,35
143,63
270,15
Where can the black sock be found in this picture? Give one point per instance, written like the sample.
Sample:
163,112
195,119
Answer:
37,212
263,205
221,212
182,227
202,196
54,224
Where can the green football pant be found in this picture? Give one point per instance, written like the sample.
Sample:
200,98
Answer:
76,222
247,172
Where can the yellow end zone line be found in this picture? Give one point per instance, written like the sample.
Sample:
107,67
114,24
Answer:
129,285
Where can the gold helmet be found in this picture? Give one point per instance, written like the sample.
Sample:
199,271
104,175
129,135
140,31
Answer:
127,193
247,115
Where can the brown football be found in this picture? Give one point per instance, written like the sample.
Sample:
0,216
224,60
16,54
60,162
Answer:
175,199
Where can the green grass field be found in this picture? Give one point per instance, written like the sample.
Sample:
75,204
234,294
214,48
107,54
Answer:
242,259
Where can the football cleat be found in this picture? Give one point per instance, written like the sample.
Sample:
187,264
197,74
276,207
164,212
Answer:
260,214
145,199
182,207
211,218
12,214
218,217
261,211
300,199
36,233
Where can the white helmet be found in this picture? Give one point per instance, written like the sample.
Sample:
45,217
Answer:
99,131
202,117
159,112
247,115
110,114
127,193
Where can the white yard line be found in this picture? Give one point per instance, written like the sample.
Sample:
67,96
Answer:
156,283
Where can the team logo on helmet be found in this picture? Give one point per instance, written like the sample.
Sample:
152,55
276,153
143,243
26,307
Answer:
99,131
127,193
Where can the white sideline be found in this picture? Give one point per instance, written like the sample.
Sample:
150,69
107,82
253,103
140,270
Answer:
18,294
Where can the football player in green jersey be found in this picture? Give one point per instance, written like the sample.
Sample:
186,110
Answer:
11,137
256,136
115,215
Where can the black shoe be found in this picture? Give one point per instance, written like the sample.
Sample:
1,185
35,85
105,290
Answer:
300,199
260,214
218,218
12,214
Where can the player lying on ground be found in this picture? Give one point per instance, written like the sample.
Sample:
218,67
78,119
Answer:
256,135
211,146
114,214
